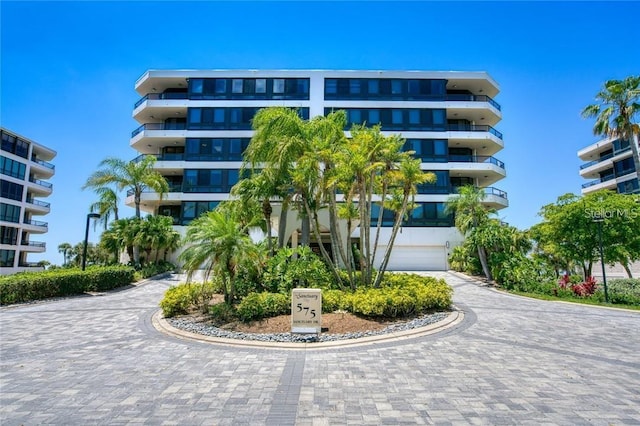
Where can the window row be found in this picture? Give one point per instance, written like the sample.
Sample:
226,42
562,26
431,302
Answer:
227,118
15,145
631,186
215,149
210,181
7,257
384,88
397,118
9,213
424,215
12,168
249,88
624,167
8,235
11,190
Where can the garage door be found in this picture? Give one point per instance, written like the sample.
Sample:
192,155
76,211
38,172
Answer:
417,258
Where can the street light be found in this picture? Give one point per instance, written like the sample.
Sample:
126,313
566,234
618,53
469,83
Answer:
86,238
599,221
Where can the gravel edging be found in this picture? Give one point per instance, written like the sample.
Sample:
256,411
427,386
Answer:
427,324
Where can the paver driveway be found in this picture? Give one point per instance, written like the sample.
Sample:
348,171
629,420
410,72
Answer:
97,360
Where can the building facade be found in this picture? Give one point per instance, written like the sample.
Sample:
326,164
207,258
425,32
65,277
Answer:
609,165
25,169
198,123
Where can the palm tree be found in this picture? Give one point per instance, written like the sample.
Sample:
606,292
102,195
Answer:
65,249
136,177
470,214
218,243
106,205
618,104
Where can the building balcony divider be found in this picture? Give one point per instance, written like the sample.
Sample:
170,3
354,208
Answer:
48,185
472,98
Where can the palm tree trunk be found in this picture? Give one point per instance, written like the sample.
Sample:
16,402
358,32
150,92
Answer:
482,254
282,223
394,232
627,269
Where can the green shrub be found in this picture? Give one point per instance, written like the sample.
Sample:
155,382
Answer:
30,286
222,313
177,300
289,267
256,306
152,269
625,291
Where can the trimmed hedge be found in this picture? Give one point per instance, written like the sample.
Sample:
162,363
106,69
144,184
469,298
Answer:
28,286
263,305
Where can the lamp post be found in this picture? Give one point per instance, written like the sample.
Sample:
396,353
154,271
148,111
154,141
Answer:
86,238
599,221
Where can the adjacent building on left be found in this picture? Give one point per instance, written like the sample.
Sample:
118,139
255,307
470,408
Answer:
25,169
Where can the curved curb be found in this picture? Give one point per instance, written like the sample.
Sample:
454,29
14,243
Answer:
452,320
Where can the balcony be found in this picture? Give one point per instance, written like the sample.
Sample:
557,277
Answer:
160,157
159,126
43,163
473,128
40,207
42,183
473,98
156,96
173,187
475,159
36,246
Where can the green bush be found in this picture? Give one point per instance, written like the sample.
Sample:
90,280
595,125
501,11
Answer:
289,267
222,313
152,269
625,291
28,286
263,305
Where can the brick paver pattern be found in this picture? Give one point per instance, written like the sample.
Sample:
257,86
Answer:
98,360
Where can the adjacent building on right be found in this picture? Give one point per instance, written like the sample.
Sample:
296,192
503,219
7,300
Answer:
609,165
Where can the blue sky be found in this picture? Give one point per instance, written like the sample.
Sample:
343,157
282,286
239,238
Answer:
68,71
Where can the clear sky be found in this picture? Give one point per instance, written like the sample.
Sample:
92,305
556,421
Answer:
68,71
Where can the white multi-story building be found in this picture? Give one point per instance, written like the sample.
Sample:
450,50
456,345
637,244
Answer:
198,122
24,169
609,165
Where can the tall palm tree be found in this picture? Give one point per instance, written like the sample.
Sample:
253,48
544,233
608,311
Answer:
65,249
106,205
617,107
218,244
136,177
471,214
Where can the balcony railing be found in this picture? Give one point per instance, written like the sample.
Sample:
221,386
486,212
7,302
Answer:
39,203
35,223
604,158
41,182
34,244
495,191
43,163
473,128
155,96
473,98
475,159
160,157
597,181
159,126
173,187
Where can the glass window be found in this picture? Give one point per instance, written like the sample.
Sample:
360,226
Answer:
396,87
261,85
189,210
414,116
303,86
218,115
232,177
374,117
373,87
413,87
354,86
396,116
7,257
249,86
331,86
9,213
215,177
355,116
439,116
217,146
221,85
278,85
196,85
237,86
235,115
195,115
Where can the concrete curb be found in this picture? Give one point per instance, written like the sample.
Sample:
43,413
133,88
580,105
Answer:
162,325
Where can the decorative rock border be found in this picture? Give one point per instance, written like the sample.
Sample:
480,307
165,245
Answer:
394,332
